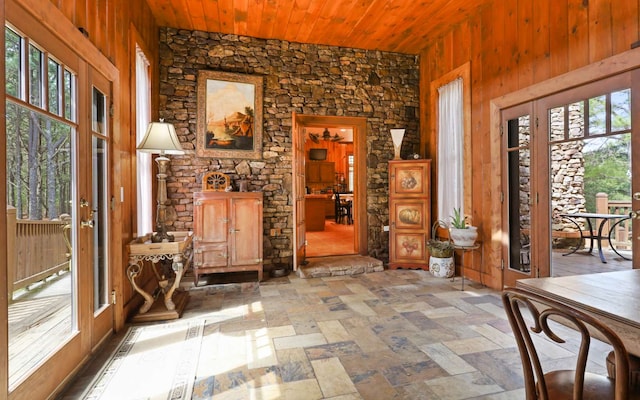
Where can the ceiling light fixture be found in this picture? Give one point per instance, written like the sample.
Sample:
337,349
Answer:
326,136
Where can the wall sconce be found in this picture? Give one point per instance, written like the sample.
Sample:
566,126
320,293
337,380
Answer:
396,136
161,138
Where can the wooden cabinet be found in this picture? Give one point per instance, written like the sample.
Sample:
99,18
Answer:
320,173
227,232
409,213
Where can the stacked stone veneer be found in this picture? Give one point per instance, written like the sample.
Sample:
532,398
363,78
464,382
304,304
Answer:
302,78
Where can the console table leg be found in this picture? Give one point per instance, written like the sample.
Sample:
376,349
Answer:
178,268
133,270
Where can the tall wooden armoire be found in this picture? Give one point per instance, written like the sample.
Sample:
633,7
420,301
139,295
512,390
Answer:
409,213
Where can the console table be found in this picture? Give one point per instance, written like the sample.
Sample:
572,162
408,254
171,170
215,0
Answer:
174,300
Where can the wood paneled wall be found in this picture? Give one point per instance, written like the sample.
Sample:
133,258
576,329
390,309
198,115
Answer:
512,45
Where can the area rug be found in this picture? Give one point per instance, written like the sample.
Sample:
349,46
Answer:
151,362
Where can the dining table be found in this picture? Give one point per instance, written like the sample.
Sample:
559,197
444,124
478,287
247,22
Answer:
612,297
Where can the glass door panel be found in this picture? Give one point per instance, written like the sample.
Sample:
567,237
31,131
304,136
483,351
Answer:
99,215
42,237
589,144
519,195
99,211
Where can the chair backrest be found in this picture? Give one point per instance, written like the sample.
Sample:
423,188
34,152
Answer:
541,312
338,210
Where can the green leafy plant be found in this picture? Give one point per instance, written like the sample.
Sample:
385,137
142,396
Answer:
437,247
458,221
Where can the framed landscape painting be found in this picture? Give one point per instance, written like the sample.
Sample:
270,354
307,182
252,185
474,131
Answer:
229,117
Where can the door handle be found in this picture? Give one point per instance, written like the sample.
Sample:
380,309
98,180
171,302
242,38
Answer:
87,223
636,196
635,214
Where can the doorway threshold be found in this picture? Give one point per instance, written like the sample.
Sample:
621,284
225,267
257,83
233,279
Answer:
321,267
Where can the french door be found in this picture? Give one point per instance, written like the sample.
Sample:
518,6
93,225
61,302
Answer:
97,221
58,134
571,152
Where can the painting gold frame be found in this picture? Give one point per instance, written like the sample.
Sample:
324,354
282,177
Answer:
229,115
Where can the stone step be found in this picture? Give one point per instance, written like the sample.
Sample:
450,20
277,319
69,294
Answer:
319,267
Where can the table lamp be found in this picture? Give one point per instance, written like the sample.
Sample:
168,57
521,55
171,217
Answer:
161,138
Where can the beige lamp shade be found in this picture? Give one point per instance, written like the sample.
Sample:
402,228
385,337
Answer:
161,138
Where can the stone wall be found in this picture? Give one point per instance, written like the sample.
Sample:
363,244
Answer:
567,165
302,78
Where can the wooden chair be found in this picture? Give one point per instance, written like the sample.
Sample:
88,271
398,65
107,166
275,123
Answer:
563,384
342,210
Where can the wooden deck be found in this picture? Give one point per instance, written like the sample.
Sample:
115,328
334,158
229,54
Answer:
581,263
40,321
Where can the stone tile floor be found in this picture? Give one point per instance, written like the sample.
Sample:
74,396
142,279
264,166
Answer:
399,334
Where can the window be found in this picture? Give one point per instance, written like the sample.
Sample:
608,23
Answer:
350,172
450,101
143,117
38,141
450,148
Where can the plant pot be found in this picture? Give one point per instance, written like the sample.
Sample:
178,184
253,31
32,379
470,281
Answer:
464,237
441,251
441,267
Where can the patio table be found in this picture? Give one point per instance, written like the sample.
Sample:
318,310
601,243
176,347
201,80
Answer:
591,220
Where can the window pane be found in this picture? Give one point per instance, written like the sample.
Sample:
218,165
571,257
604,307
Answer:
556,124
576,120
13,46
35,76
100,231
519,132
54,87
98,115
519,178
39,186
621,110
69,96
598,115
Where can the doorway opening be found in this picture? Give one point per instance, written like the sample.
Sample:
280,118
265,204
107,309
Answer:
331,214
329,191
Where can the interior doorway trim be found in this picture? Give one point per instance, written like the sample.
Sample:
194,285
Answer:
359,125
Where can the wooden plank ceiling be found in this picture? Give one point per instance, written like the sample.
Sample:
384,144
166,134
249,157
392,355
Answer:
391,25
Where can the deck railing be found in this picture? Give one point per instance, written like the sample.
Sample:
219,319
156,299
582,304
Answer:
621,238
35,250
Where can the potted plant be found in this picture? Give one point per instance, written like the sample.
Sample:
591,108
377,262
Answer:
462,233
441,262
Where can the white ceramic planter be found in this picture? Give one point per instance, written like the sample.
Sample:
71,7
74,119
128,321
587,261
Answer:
441,267
464,237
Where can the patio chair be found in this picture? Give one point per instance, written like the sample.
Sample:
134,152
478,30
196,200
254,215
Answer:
542,320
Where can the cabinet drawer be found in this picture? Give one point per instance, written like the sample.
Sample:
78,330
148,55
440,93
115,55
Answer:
210,255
